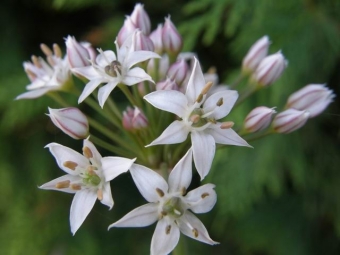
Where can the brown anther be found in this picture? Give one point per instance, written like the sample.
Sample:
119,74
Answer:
57,50
211,70
47,51
195,118
62,185
70,164
50,60
204,195
164,213
227,124
75,186
183,191
206,88
199,98
30,74
160,192
90,169
195,232
220,101
100,194
168,229
36,61
87,152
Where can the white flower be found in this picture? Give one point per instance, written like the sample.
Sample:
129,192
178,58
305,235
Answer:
198,114
87,177
46,76
170,205
112,70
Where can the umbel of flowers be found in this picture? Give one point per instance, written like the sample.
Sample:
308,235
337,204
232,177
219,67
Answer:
170,101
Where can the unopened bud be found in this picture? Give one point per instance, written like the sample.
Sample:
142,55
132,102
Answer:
141,19
172,41
127,29
77,54
313,98
256,53
142,42
71,121
178,71
156,38
258,119
289,121
168,84
134,119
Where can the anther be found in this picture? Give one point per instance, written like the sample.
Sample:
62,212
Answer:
183,191
87,152
75,186
57,50
46,50
212,120
220,101
30,74
195,118
100,194
63,184
168,229
50,60
160,192
36,61
164,213
70,164
206,88
195,232
227,124
199,98
204,195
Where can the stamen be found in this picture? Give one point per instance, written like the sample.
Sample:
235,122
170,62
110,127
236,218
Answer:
164,213
75,186
220,101
195,118
90,169
227,124
100,194
63,184
114,69
177,212
199,98
50,60
204,195
160,192
195,232
167,229
183,191
30,74
36,61
57,50
206,88
47,51
87,152
70,164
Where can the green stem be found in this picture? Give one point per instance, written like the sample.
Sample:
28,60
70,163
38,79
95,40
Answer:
128,94
237,81
110,147
251,89
58,99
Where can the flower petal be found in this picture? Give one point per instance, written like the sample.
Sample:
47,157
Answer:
149,183
89,72
82,204
89,88
180,176
104,92
229,98
139,56
203,146
114,166
165,238
36,93
202,199
51,185
105,58
168,100
226,136
96,157
107,195
135,75
63,154
196,83
177,132
192,227
142,216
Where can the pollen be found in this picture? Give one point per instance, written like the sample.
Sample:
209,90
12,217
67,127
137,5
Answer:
167,229
63,184
220,101
47,51
70,164
87,152
183,191
204,195
57,50
35,61
100,194
195,232
199,98
227,124
206,88
75,186
160,192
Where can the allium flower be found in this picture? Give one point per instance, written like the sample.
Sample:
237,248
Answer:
178,71
134,119
46,76
258,119
112,70
78,54
172,41
87,177
169,205
313,98
199,114
256,53
141,19
290,120
156,37
127,29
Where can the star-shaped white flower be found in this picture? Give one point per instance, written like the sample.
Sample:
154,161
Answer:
87,177
170,205
111,70
199,114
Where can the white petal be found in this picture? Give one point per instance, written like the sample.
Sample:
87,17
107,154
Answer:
142,216
104,92
139,56
148,182
196,83
168,100
190,225
63,154
177,132
96,159
180,176
89,88
135,75
82,204
165,238
89,72
114,166
36,93
107,195
51,185
203,146
105,58
226,136
202,199
229,98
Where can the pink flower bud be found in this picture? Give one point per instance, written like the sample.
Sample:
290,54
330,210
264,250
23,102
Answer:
178,71
127,29
141,19
289,121
172,41
156,38
142,42
134,119
77,54
71,121
256,53
168,84
258,119
270,69
90,49
313,98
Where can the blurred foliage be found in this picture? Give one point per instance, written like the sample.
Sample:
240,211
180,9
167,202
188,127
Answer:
282,197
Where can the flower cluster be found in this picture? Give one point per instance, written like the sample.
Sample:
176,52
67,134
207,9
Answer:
168,97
